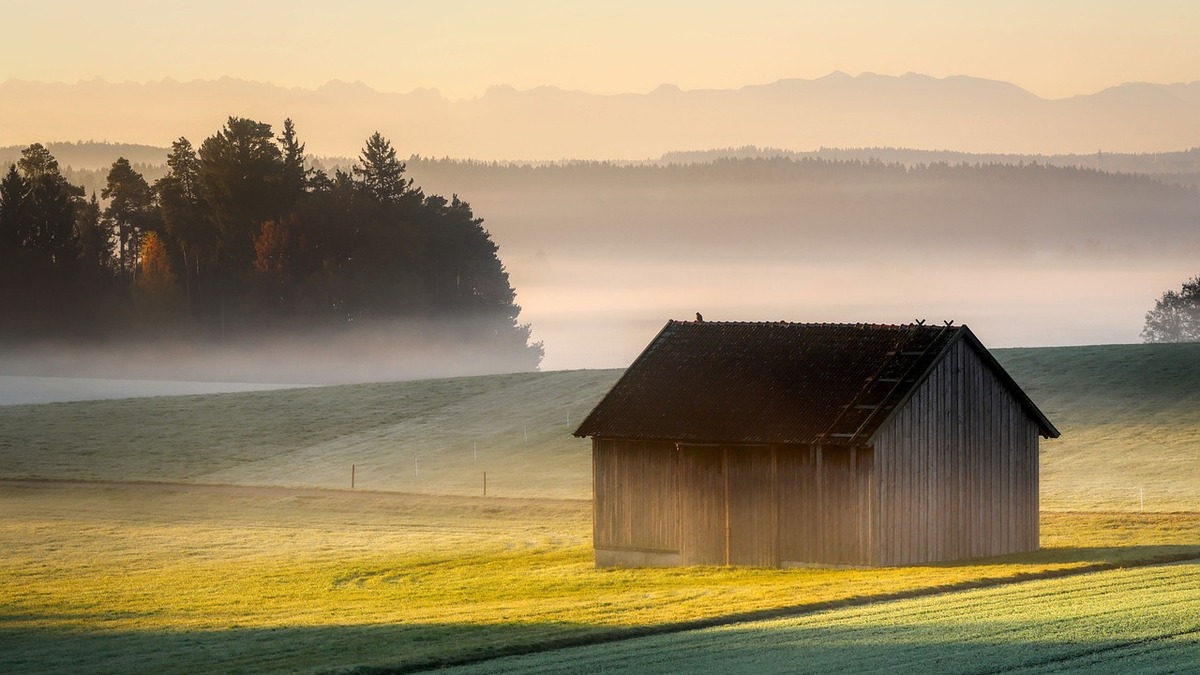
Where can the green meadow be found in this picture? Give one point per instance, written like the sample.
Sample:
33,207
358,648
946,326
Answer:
1130,417
1130,422
425,437
219,533
1147,621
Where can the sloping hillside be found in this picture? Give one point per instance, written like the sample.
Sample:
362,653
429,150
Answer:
431,436
1130,417
1130,422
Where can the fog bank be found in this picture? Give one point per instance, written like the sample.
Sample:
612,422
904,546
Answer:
387,351
20,389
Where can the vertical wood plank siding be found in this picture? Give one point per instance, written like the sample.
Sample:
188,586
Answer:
799,526
753,516
956,469
826,505
636,503
702,505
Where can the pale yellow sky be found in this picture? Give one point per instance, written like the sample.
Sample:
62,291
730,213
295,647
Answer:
1053,48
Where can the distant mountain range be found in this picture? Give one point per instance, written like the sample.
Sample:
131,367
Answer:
914,111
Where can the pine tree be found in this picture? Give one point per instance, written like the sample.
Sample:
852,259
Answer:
48,231
94,232
184,215
295,170
14,196
380,173
241,175
129,210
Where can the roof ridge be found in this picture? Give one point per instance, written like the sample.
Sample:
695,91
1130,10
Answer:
824,324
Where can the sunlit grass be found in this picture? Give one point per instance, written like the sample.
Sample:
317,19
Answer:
191,578
1123,621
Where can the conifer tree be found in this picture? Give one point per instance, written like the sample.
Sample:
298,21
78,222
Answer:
380,173
129,211
48,226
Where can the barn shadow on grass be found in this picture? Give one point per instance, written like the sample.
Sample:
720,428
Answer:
386,648
804,646
1102,556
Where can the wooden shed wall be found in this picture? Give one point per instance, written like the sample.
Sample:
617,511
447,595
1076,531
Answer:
825,505
957,469
661,503
752,509
635,506
728,512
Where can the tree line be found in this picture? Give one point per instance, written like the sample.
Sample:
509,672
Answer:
243,235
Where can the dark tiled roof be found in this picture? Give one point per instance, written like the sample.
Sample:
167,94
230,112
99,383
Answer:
769,382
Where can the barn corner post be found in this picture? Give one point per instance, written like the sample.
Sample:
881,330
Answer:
595,512
916,453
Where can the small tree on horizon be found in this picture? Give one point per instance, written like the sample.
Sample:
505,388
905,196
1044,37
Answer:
380,173
1176,316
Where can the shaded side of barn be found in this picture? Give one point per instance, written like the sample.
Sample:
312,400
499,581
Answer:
799,444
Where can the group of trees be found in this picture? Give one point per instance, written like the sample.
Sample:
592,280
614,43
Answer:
1175,316
242,235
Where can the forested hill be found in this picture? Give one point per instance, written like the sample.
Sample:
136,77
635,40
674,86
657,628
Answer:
1180,167
87,162
241,236
824,209
768,170
92,154
1064,204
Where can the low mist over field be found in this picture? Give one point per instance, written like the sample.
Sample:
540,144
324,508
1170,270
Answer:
1027,255
394,350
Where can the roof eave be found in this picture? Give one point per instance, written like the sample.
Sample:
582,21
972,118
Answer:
1045,428
582,430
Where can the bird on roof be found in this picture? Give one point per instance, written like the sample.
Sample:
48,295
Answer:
699,317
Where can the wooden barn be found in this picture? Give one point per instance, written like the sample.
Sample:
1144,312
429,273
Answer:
785,444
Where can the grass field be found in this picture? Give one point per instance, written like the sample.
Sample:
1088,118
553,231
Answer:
1130,422
1144,620
112,578
427,437
260,560
1130,417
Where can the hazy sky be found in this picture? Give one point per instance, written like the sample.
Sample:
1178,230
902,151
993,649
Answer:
1053,48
